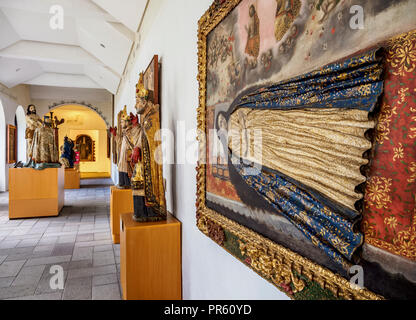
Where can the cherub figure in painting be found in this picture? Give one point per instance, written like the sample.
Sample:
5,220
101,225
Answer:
286,12
253,32
326,6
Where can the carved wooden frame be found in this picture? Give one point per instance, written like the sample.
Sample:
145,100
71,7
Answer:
287,270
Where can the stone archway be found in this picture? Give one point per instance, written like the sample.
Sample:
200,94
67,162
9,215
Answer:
81,104
82,120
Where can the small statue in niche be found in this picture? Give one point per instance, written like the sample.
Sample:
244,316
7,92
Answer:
68,155
85,145
124,146
147,181
33,121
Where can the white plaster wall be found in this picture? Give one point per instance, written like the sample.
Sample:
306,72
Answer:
2,148
9,106
170,30
10,100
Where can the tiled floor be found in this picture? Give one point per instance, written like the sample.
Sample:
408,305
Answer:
79,241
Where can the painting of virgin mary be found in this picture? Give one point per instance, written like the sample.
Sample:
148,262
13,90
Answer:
308,163
313,138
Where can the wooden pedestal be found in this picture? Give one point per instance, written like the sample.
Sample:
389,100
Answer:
72,179
150,259
121,201
36,193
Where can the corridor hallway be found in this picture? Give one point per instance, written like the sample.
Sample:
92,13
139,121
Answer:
78,240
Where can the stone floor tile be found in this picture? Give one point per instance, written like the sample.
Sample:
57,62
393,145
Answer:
78,289
89,272
11,268
9,244
92,243
82,253
48,260
85,237
102,236
103,258
19,291
105,247
67,239
43,248
63,249
104,279
47,296
28,243
46,240
29,276
106,292
6,282
20,231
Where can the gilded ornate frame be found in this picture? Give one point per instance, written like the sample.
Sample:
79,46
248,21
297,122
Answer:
291,273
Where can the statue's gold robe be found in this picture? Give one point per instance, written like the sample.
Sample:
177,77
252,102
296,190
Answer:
44,146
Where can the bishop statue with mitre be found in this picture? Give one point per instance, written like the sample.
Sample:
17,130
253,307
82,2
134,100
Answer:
147,180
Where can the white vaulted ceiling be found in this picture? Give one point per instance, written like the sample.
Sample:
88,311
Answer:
91,50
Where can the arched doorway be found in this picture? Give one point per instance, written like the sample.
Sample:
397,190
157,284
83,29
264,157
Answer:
82,121
21,133
2,149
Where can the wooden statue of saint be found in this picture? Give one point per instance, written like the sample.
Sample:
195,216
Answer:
147,181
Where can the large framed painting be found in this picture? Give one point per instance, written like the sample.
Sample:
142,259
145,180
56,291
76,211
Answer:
11,144
307,121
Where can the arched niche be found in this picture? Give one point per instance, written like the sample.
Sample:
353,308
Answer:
84,105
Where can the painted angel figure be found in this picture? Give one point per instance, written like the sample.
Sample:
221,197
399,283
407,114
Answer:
253,34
